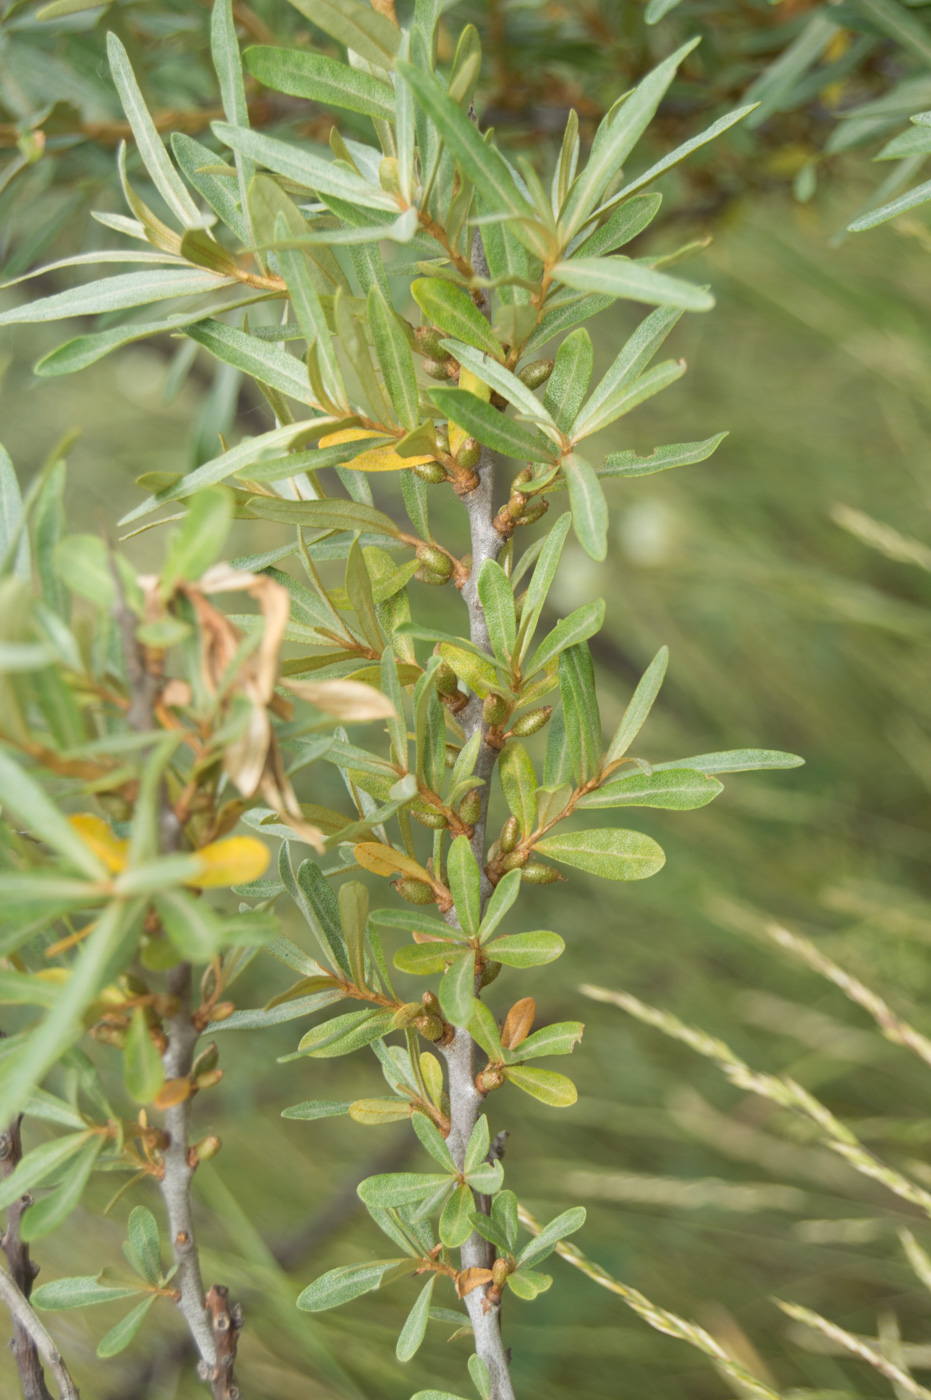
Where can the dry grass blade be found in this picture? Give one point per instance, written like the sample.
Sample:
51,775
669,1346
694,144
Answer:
857,1347
668,1322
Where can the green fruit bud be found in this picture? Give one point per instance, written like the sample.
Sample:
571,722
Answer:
207,1147
431,472
535,873
435,560
516,506
442,437
447,682
431,818
470,453
414,891
510,835
488,1079
536,373
499,1272
533,512
429,576
489,973
431,1003
494,851
470,808
431,1028
206,1060
429,341
530,723
523,478
452,753
209,1080
439,369
389,180
514,860
494,709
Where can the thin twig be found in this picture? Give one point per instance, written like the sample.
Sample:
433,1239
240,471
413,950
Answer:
24,1316
465,1101
22,1270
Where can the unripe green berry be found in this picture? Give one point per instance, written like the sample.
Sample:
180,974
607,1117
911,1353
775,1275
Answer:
536,373
439,369
435,560
499,1272
470,808
447,682
470,453
530,723
494,851
488,1079
207,1147
489,973
510,835
514,861
494,709
517,505
431,818
533,512
431,472
414,891
535,873
523,478
431,577
429,341
430,1027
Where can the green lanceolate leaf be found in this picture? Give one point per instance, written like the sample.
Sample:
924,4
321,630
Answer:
142,1064
403,1188
680,789
525,949
589,507
341,1285
198,542
560,1038
497,599
456,1220
517,394
465,884
505,893
433,1141
38,1164
425,959
734,761
568,384
641,704
313,1109
81,1292
612,853
678,454
415,1327
625,223
346,1033
619,277
543,1244
541,582
710,133
577,627
480,162
490,427
355,25
48,1214
312,321
142,1246
304,168
120,1336
452,309
394,358
581,716
912,199
519,785
553,1089
116,294
317,78
457,989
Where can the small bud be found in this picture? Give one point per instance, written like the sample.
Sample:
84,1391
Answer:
535,873
452,753
447,682
516,506
435,560
510,835
494,709
513,860
523,478
489,973
206,1060
389,180
536,373
494,851
439,369
208,1080
431,1028
469,454
435,820
534,512
431,472
432,577
499,1272
222,1010
490,1078
429,341
207,1147
110,1035
530,722
470,808
431,1003
442,437
406,1015
415,891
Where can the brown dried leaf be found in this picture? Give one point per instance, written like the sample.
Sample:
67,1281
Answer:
519,1023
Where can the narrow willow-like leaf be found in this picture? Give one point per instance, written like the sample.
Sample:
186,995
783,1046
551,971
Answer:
317,78
452,309
589,507
306,169
465,884
310,317
641,703
502,899
619,277
560,1038
548,1238
394,358
525,949
501,379
734,761
457,989
415,1327
553,1089
490,427
456,1221
120,1336
257,358
156,159
569,381
577,627
679,789
53,1210
497,599
912,199
81,1292
116,294
580,711
625,223
519,785
356,25
350,1281
678,454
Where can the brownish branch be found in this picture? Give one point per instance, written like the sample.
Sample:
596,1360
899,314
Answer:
22,1271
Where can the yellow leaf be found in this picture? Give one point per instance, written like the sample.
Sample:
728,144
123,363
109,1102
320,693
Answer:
471,382
384,860
344,699
235,861
98,838
378,459
173,1091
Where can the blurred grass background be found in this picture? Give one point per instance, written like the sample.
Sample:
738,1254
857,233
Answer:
785,632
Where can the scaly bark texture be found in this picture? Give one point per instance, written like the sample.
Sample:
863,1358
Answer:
22,1271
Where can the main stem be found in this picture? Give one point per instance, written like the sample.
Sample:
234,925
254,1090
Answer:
465,1101
22,1273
